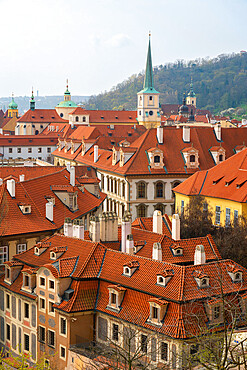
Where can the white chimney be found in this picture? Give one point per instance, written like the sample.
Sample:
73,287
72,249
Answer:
68,228
68,166
186,134
157,252
94,229
199,256
130,244
96,153
78,229
157,222
22,178
126,230
160,134
72,176
175,227
49,211
11,187
217,131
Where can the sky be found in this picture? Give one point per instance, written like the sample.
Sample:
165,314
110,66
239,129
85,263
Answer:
97,44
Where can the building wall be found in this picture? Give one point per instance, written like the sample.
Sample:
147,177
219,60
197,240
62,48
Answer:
28,152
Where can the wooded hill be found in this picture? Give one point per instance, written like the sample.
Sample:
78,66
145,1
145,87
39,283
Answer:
219,83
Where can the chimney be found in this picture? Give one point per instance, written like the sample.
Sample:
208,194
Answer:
22,178
217,131
157,222
68,227
49,211
11,187
157,252
199,256
175,227
1,181
103,219
94,229
160,134
68,166
96,153
126,230
130,244
72,176
186,134
78,229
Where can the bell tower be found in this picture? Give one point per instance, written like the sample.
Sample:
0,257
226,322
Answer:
191,97
148,99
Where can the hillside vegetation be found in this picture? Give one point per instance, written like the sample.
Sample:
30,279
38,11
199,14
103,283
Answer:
219,83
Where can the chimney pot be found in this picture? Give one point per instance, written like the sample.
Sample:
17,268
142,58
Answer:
160,134
186,134
22,178
72,176
49,211
11,187
96,153
157,222
199,256
175,227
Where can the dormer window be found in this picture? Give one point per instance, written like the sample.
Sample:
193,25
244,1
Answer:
26,281
52,255
191,157
235,273
218,153
177,250
202,279
215,310
25,209
127,271
164,277
156,158
130,268
157,310
116,295
7,275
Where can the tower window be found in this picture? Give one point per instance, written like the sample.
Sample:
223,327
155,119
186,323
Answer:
61,115
150,98
84,119
140,112
76,118
192,158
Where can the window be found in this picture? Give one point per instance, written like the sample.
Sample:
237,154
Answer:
182,207
159,190
51,338
221,158
141,190
144,343
18,150
51,308
26,342
156,159
115,332
192,158
42,303
3,254
26,310
7,331
204,282
235,216
8,301
140,113
217,215
216,312
42,281
84,119
48,150
113,298
62,326
26,281
123,189
62,352
10,150
164,351
39,150
7,273
51,284
29,150
150,98
154,313
77,119
21,247
228,216
141,210
42,334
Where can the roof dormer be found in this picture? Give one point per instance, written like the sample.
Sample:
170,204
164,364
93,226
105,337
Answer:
201,279
218,153
116,295
177,250
156,158
12,270
158,309
115,156
164,277
25,208
236,273
40,248
130,267
191,157
28,279
57,252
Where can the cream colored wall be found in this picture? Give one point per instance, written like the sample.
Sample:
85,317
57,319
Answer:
65,110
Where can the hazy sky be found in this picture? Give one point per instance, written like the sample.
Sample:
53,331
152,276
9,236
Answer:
98,43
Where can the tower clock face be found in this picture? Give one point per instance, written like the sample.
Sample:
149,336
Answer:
151,112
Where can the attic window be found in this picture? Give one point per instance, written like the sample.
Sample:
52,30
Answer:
52,117
129,133
102,117
41,117
36,251
33,116
156,159
192,158
221,158
160,280
116,117
130,117
241,184
229,182
127,271
109,133
215,182
236,275
53,256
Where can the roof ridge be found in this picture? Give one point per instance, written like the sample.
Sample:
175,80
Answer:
181,288
25,190
144,135
88,259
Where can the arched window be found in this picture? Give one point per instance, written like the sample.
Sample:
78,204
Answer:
156,159
36,132
192,158
84,119
221,158
159,190
77,119
141,210
141,190
61,115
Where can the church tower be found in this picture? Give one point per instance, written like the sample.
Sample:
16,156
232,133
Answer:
32,102
12,108
191,97
148,99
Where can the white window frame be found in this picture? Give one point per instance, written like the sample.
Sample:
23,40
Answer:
217,215
60,326
51,289
4,251
41,299
22,247
228,216
41,285
52,313
24,342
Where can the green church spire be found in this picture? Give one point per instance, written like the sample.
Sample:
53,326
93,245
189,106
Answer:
148,86
191,92
32,102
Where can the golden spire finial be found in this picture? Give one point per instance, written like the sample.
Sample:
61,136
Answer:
67,81
149,34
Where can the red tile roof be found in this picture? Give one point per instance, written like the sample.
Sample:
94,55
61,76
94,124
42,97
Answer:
41,115
227,180
107,116
28,140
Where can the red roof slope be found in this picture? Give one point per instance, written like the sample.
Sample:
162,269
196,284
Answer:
108,116
41,115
